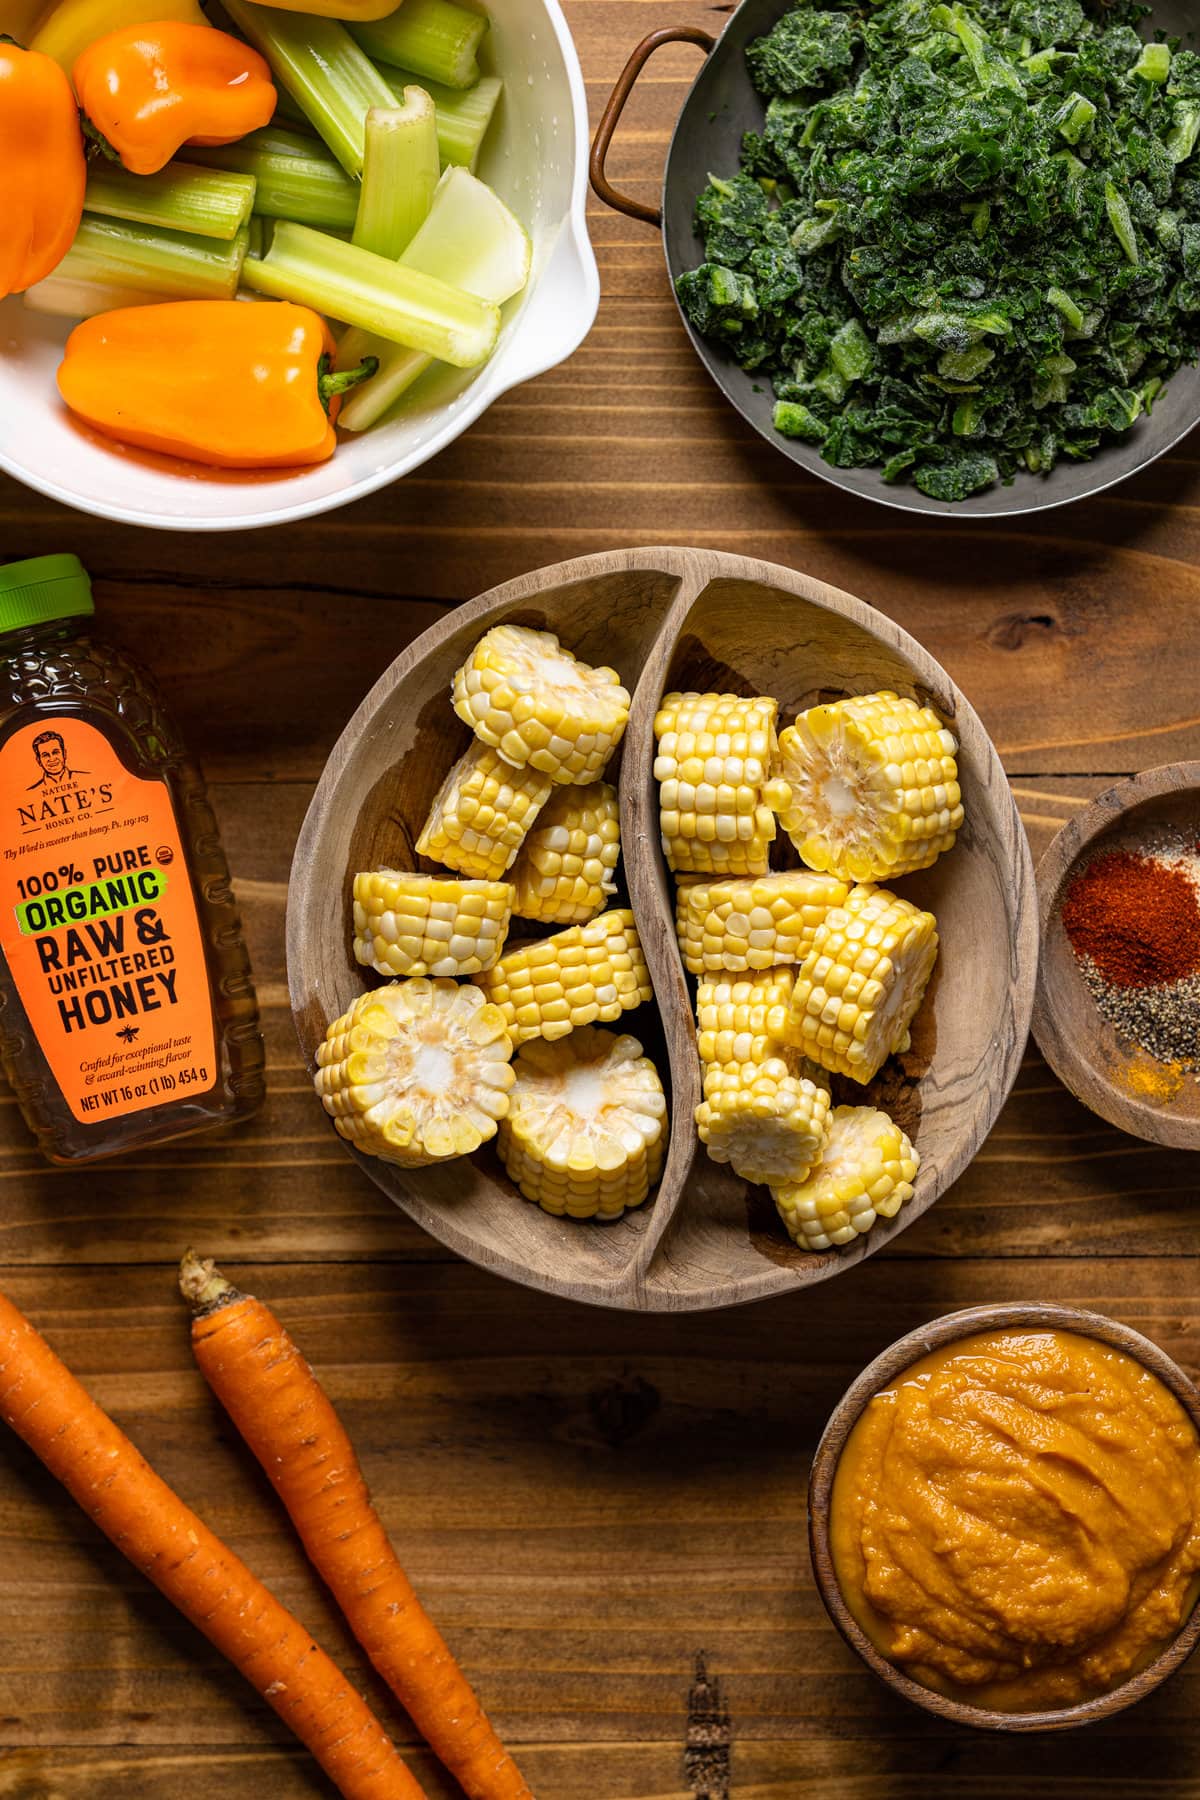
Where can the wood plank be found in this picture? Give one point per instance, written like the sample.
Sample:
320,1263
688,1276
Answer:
931,1761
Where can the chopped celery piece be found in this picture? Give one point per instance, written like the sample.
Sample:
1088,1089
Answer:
67,297
463,114
1121,220
471,240
1075,117
1154,64
295,175
1063,303
322,68
208,203
1185,130
851,351
171,265
397,302
431,37
795,420
400,174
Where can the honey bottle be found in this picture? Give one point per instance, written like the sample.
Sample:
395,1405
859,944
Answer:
127,1008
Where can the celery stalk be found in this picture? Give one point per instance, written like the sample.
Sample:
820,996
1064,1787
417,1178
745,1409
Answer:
463,114
400,174
170,265
322,68
296,177
68,297
398,303
433,38
471,240
207,203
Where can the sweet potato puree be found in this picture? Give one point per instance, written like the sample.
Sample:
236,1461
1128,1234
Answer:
1016,1522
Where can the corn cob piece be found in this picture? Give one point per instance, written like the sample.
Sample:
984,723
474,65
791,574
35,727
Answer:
861,983
874,787
588,973
742,1018
586,1129
429,924
768,1120
535,702
482,812
416,1072
866,1173
719,790
564,873
753,922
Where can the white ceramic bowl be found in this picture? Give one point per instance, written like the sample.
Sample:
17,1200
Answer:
535,157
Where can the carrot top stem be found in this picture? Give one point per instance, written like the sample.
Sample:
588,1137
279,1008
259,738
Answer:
203,1285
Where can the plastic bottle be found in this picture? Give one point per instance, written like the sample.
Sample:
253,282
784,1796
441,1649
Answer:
127,1008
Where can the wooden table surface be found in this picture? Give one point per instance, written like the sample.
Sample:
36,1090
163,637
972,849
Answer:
587,1500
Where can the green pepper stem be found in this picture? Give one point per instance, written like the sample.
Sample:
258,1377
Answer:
331,382
97,141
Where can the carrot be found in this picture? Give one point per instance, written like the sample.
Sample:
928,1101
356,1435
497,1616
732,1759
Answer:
281,1410
102,1470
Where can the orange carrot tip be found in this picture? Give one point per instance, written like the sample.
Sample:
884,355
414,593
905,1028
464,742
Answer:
287,1419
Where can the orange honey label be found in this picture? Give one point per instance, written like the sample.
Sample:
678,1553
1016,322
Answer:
98,923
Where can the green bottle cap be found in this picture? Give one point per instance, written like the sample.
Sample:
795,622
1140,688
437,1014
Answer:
42,589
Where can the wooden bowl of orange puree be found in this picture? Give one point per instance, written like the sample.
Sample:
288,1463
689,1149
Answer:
1004,1516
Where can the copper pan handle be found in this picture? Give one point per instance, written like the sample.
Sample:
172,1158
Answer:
610,117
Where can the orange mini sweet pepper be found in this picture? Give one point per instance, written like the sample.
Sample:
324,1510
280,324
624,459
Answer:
236,384
148,89
43,170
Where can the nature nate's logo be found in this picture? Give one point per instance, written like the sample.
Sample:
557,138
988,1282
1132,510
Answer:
62,789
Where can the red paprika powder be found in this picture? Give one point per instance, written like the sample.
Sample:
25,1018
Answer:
1137,918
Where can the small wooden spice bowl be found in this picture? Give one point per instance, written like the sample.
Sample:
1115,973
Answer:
1118,1081
881,1374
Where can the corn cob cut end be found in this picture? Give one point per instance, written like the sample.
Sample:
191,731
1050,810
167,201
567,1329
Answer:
866,1173
416,1072
536,703
408,924
585,975
874,787
767,1120
480,816
859,988
719,783
747,924
566,871
586,1130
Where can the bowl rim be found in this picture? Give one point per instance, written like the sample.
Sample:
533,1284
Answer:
886,1368
1062,1050
493,381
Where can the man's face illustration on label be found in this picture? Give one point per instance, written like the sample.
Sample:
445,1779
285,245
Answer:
52,756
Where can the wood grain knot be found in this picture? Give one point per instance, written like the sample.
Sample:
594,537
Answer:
1015,630
620,1409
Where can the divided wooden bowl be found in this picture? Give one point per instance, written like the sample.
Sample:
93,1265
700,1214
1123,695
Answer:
679,619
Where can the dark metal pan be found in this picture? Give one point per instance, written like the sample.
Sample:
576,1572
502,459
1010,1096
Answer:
721,105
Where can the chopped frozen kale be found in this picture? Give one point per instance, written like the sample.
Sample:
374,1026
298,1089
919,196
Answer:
965,240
